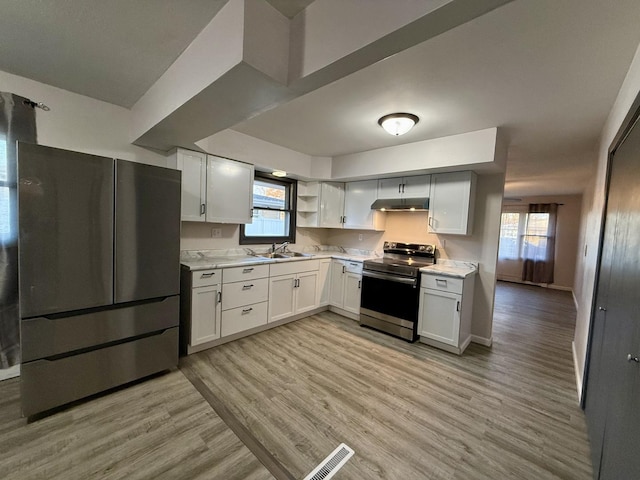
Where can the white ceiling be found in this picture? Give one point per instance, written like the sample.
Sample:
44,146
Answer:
547,71
112,50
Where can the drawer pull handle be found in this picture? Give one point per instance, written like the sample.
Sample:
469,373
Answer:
246,310
207,275
247,287
247,270
441,281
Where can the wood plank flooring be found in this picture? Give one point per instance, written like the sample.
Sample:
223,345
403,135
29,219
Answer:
409,411
158,429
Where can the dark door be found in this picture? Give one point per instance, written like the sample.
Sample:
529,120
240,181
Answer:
147,237
66,230
612,397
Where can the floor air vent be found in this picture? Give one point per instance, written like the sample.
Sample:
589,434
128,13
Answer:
331,464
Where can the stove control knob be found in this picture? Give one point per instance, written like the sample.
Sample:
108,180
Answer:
429,248
392,245
422,248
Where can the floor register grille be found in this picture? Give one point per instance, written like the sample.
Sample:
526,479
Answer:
330,465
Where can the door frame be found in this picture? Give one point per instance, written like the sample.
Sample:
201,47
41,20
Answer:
631,119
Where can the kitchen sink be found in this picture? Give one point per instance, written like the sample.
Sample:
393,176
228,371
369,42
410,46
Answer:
283,255
272,255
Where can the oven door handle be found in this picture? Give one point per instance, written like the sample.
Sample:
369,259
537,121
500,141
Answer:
391,278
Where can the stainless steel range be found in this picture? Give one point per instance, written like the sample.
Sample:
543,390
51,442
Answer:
391,288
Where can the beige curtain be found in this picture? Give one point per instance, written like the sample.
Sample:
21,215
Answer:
539,243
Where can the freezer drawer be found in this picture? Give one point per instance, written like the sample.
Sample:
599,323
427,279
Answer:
66,230
147,232
45,337
46,384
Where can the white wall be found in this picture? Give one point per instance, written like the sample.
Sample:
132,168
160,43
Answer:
567,234
481,246
592,216
198,236
80,123
466,151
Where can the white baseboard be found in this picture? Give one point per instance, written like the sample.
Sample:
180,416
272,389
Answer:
10,373
487,342
579,378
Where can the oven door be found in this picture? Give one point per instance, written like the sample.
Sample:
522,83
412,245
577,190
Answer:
390,303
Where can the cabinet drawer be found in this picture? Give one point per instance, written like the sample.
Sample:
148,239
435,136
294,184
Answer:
249,272
244,293
244,318
205,278
442,283
293,267
353,267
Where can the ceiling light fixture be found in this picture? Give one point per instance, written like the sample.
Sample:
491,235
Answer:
279,173
398,123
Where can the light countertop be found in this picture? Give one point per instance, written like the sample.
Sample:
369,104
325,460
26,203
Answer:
204,262
452,268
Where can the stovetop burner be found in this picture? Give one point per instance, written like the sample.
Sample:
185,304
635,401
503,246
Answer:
404,259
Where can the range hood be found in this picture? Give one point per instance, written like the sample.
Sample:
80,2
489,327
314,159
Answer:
402,204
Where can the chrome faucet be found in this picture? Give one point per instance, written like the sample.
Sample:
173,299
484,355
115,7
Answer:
282,246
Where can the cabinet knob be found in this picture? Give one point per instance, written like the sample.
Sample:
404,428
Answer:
632,358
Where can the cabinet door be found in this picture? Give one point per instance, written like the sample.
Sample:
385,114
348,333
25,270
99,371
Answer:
324,282
193,166
451,203
306,291
331,204
352,291
439,316
205,314
357,204
336,298
390,187
281,297
417,186
229,191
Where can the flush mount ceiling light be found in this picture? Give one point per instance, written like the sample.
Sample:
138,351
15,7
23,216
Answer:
279,173
398,123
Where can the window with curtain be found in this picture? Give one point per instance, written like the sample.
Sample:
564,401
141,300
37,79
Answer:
273,212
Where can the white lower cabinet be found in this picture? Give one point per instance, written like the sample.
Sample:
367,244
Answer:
203,297
324,282
346,285
444,318
293,288
245,291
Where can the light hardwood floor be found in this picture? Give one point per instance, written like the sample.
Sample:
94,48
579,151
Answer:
158,429
408,410
411,411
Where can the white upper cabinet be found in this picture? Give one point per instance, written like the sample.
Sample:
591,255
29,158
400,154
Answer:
193,166
331,205
214,189
229,190
417,186
357,206
452,203
344,206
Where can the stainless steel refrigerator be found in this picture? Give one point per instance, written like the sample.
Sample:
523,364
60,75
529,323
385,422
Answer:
99,248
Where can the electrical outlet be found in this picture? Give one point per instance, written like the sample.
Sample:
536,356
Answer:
360,237
216,232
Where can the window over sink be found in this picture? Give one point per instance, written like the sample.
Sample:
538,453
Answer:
273,218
